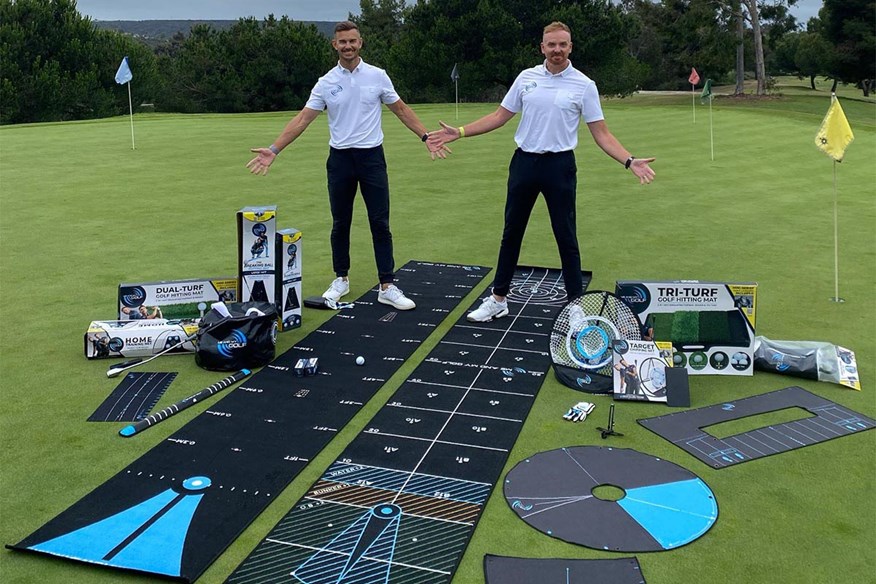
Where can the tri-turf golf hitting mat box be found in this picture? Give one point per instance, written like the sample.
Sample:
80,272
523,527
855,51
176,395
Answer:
710,324
288,278
174,298
256,253
139,338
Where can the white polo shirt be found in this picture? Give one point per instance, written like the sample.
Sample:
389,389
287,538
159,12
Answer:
552,106
352,100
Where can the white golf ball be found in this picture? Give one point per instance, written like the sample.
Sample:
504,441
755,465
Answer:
360,360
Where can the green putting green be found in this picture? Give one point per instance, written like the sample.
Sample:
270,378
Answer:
81,212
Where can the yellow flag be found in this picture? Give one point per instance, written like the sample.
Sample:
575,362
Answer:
835,134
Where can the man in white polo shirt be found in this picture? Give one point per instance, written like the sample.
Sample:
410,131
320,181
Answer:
553,97
352,94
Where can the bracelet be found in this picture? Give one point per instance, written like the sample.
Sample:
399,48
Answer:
461,131
629,162
425,137
274,149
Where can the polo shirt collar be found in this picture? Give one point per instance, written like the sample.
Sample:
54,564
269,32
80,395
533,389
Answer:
358,67
565,72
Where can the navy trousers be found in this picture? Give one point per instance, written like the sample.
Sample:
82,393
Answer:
364,168
555,176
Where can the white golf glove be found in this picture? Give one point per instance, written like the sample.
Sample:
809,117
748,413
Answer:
578,412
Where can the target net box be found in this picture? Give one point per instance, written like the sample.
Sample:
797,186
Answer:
710,324
256,257
174,299
138,338
288,278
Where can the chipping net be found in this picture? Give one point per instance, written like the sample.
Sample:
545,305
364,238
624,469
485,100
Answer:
582,335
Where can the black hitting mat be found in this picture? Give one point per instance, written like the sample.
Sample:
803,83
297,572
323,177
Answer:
685,429
401,503
133,398
661,505
505,570
174,510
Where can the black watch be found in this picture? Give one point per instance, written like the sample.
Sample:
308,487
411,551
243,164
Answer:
425,137
629,162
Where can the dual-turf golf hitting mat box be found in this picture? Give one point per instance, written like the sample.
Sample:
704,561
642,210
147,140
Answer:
288,278
139,338
710,324
175,298
256,255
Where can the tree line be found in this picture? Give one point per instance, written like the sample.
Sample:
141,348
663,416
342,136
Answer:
57,65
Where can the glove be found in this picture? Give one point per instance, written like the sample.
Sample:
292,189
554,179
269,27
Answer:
578,412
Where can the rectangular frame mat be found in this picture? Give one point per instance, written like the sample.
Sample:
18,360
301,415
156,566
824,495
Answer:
401,503
178,507
134,397
685,429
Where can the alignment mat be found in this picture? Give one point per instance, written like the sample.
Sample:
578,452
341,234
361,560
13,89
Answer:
402,501
173,511
133,398
663,506
685,429
505,570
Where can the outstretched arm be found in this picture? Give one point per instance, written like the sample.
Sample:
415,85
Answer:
488,123
611,146
413,123
296,126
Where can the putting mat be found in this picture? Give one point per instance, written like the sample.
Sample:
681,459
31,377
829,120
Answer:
401,503
505,570
660,506
133,397
176,508
685,429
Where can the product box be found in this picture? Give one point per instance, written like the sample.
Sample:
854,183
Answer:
710,324
288,278
139,338
639,369
256,257
174,298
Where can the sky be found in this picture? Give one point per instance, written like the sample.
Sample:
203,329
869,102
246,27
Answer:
307,10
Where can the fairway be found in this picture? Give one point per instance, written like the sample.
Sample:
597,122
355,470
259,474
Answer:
80,212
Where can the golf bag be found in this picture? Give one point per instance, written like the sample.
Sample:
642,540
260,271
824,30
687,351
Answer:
240,341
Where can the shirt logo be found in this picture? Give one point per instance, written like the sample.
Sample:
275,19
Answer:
336,90
527,87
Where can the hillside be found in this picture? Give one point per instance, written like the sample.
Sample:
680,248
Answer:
154,32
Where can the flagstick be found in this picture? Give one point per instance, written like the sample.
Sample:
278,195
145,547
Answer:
456,84
131,112
711,133
836,297
693,101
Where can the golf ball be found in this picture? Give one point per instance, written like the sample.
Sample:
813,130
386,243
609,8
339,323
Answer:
360,360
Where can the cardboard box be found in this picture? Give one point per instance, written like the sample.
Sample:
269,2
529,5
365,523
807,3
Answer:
256,258
639,369
710,324
175,298
288,278
138,338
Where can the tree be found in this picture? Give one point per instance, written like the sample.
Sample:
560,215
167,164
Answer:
58,66
849,26
380,24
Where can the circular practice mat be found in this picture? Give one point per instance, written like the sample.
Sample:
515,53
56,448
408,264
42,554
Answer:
661,505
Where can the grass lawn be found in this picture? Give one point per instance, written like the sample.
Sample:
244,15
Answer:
80,212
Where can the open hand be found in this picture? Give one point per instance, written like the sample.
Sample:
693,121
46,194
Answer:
262,162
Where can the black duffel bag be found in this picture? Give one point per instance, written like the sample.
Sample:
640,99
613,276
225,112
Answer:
241,341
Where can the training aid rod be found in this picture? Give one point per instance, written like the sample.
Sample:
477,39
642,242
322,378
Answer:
182,404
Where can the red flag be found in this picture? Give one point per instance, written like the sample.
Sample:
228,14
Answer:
694,76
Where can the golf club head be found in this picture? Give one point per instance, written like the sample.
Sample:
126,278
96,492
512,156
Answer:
119,367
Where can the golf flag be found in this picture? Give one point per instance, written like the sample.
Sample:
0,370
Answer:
124,75
707,90
835,133
454,75
694,76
